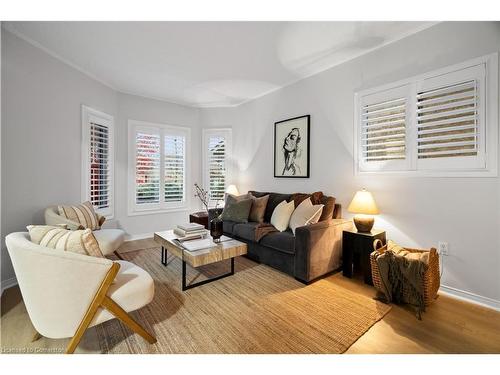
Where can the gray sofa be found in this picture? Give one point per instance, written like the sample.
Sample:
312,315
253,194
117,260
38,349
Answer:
314,251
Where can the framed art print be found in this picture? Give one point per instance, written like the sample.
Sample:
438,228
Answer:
291,147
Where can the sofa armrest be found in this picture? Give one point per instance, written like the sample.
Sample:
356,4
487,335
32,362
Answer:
318,248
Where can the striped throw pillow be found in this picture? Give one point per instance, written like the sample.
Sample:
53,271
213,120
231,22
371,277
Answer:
56,237
83,213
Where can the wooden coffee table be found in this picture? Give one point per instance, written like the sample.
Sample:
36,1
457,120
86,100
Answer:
228,249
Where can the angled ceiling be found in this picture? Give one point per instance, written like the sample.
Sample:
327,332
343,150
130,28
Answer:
208,64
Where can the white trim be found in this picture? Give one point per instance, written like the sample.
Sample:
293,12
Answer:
135,237
132,209
34,43
9,283
109,122
491,122
470,297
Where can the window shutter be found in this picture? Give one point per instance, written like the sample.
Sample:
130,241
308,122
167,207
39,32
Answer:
99,166
216,166
450,131
147,167
447,121
383,139
174,168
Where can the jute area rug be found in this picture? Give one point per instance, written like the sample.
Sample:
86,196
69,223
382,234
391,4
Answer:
257,310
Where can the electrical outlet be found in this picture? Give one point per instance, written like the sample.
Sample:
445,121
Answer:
443,248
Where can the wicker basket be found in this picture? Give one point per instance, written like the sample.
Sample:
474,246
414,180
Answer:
431,277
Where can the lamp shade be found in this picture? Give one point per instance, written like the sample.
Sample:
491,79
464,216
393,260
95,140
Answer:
233,190
363,203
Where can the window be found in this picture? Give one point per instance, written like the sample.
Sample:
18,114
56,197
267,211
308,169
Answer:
216,168
157,167
442,123
97,160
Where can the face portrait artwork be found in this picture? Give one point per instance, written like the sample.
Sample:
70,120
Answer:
292,148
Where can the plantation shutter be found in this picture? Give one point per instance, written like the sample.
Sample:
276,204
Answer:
99,166
174,168
449,113
383,122
147,167
216,166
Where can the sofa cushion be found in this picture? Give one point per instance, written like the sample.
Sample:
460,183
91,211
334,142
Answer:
257,194
228,226
316,197
258,209
109,239
273,201
329,206
306,213
245,231
281,241
282,214
236,209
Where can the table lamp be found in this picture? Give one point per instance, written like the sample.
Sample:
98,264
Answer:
363,205
233,190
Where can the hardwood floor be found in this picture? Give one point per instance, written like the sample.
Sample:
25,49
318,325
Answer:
448,326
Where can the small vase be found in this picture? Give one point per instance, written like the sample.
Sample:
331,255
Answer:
216,228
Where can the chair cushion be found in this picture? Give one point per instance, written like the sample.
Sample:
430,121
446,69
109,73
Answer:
133,288
281,241
57,237
83,213
246,231
109,239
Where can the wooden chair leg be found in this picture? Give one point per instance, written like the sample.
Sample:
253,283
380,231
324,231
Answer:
121,314
118,255
91,311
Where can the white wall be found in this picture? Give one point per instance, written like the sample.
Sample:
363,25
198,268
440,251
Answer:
416,212
41,140
137,108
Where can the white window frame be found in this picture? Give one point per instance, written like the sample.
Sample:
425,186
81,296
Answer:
93,115
228,134
162,207
488,146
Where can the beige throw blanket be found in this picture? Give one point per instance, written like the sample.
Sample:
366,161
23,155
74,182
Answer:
263,229
402,278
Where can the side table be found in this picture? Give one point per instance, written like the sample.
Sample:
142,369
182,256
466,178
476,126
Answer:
359,245
199,218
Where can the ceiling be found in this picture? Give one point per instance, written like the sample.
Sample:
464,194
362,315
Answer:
207,64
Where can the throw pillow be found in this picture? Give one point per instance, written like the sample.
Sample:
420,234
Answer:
258,208
83,213
306,213
56,237
236,209
316,197
281,215
329,203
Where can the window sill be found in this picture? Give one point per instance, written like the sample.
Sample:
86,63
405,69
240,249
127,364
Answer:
158,211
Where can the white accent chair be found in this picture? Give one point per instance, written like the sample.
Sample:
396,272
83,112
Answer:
109,239
65,293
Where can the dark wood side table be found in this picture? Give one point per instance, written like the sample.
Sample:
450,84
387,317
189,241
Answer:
358,246
200,218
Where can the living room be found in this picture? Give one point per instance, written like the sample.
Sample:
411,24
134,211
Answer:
293,149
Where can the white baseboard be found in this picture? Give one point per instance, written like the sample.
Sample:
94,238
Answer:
470,297
6,284
134,237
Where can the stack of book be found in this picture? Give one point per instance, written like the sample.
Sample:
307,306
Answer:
190,231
